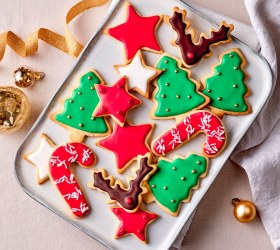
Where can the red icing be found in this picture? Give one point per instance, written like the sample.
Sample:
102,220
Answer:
194,123
59,164
137,32
127,142
133,223
115,101
190,55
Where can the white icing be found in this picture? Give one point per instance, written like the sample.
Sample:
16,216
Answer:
137,74
40,158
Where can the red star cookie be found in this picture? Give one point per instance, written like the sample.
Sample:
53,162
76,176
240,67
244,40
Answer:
115,101
133,223
127,143
137,32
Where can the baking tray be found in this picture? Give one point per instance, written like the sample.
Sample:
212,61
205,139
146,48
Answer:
101,53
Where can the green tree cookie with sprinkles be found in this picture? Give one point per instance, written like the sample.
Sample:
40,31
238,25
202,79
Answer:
226,86
176,93
78,109
174,180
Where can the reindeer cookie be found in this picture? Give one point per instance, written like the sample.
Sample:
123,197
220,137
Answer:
192,52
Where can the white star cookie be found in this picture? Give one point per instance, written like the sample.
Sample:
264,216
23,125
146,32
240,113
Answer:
40,158
138,74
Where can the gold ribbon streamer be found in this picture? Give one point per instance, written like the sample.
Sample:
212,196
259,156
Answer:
67,44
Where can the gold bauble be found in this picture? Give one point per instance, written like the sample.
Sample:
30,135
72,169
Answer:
14,109
244,211
24,77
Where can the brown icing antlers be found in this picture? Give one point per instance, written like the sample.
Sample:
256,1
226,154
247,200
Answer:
192,52
129,198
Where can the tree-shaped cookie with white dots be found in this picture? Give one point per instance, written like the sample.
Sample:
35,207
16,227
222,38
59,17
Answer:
174,180
226,85
176,93
78,109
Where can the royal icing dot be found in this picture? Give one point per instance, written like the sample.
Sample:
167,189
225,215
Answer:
190,55
194,171
89,77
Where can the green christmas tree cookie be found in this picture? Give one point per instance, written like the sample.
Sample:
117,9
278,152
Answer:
226,86
78,110
176,93
173,181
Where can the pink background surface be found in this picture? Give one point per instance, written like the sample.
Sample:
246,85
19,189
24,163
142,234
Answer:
24,223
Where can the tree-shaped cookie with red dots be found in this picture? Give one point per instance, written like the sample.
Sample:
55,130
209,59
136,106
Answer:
78,109
176,93
226,86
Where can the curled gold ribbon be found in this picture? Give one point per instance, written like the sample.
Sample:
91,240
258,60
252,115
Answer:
67,44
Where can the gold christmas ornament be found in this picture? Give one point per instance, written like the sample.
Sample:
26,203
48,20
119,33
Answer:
24,77
244,211
14,109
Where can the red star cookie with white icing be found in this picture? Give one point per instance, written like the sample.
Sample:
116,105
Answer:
138,74
127,143
133,223
137,32
115,101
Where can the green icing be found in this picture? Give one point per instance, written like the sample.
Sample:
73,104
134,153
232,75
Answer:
226,88
173,181
79,108
176,92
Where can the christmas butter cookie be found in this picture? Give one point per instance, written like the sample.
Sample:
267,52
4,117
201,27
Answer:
14,109
127,143
176,93
40,158
226,86
196,122
115,101
62,177
133,223
77,114
129,198
192,52
174,180
138,74
137,32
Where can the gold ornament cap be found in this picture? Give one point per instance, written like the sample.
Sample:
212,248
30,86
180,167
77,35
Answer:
14,109
24,77
244,211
